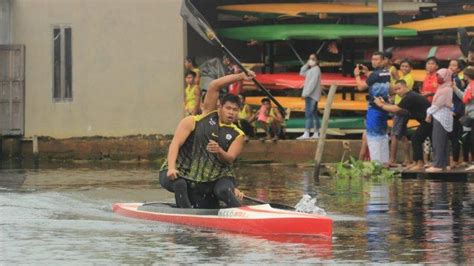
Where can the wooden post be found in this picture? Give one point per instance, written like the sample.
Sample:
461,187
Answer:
322,133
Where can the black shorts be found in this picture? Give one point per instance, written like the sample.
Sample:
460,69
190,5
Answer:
399,129
200,194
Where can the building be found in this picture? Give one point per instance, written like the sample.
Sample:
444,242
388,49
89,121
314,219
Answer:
90,68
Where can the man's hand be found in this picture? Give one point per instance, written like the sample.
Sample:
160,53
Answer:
379,101
213,147
249,76
365,69
356,71
172,174
239,194
428,119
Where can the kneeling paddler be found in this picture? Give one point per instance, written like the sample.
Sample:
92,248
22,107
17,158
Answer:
199,166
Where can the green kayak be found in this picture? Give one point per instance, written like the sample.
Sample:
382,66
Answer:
309,31
336,122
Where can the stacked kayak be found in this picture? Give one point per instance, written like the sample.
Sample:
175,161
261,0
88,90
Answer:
292,80
298,104
257,219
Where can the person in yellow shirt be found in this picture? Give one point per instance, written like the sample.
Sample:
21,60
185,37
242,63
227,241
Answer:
190,65
245,118
399,130
192,95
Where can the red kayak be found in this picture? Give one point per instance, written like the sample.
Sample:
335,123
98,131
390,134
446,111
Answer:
257,219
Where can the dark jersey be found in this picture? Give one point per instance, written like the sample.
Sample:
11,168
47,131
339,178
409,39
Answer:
197,164
416,105
379,85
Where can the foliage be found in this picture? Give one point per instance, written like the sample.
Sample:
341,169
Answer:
353,168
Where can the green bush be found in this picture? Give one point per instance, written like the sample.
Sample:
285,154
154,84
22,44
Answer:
353,168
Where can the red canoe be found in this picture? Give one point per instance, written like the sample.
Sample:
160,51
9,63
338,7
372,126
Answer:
256,219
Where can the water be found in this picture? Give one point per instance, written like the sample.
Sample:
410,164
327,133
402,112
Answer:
63,215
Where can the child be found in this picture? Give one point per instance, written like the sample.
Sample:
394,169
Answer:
192,95
270,119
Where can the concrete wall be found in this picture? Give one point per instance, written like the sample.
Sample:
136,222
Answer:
5,22
127,66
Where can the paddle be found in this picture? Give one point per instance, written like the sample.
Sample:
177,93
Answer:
463,41
275,205
197,21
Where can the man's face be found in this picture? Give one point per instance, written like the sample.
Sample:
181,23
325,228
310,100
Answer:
312,57
431,66
228,112
400,89
189,79
405,68
377,61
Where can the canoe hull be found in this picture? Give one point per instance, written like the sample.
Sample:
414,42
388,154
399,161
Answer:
255,220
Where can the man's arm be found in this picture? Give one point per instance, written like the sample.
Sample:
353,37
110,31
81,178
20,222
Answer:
212,95
231,154
184,129
304,69
392,108
360,85
197,95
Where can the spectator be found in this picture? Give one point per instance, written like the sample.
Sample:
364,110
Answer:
192,95
468,118
441,116
430,83
235,88
190,65
271,120
388,63
414,106
311,94
456,66
245,118
399,130
378,85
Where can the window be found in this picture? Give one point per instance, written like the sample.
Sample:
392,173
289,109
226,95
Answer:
62,63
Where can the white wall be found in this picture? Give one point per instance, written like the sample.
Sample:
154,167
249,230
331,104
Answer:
127,66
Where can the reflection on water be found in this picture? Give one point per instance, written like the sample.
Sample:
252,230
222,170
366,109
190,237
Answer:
51,215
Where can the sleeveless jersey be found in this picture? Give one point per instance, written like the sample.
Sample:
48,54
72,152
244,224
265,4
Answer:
197,164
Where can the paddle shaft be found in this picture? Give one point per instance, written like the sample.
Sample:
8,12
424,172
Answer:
257,83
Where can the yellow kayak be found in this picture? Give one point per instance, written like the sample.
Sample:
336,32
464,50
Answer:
441,23
297,103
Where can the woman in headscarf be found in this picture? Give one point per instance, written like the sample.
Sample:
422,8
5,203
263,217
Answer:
441,116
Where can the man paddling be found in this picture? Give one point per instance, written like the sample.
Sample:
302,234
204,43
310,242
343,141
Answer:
199,168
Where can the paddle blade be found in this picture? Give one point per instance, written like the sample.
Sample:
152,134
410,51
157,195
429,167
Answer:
197,21
463,41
